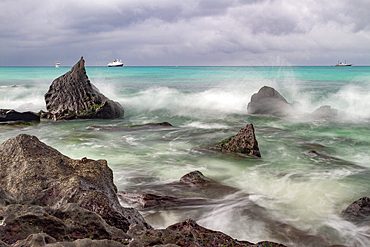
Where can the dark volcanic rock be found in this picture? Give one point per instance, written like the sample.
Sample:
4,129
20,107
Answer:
186,233
269,101
34,173
358,211
244,142
14,116
73,96
42,239
69,222
196,178
171,195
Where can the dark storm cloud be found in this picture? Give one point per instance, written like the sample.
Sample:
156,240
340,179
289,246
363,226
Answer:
199,32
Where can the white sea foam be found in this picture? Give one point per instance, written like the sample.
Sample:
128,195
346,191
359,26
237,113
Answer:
201,125
22,98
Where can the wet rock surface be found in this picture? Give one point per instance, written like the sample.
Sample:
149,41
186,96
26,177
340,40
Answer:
69,222
49,199
358,211
244,142
186,233
34,173
73,96
269,101
7,115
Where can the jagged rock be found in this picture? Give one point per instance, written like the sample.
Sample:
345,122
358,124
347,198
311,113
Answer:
244,142
269,101
70,222
14,116
73,96
358,211
34,173
42,239
186,233
325,112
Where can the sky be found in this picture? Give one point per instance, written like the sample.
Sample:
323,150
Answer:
184,32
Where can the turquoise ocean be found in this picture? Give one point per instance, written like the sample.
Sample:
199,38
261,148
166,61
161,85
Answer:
205,105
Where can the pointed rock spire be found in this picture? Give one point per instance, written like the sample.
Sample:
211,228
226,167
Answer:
73,96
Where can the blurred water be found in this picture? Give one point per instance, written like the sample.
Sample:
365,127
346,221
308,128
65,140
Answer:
207,104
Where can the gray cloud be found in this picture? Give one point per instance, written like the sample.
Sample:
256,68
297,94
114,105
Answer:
192,32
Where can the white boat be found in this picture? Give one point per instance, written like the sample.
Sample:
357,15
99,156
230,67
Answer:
57,65
343,64
115,63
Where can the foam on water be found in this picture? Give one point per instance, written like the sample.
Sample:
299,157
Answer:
207,105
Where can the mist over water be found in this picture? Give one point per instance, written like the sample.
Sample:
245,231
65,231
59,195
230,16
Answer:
288,188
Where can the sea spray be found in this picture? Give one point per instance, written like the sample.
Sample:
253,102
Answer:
311,169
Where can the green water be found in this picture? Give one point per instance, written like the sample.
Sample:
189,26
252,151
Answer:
206,105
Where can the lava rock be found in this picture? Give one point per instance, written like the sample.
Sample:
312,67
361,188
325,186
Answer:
244,142
69,222
34,173
269,101
73,96
358,211
14,116
186,233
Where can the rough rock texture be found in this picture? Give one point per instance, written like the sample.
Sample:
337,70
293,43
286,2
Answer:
325,112
34,173
244,142
69,222
73,96
358,211
187,233
42,239
269,101
14,116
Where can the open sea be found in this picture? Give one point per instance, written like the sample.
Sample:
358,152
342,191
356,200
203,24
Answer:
293,188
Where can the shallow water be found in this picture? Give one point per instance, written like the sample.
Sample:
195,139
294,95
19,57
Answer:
288,188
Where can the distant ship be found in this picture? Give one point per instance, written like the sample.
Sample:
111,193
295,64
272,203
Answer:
115,63
57,65
343,64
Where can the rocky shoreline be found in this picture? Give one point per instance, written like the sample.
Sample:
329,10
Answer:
46,198
49,199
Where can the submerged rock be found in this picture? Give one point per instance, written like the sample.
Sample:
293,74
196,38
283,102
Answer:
14,116
73,96
244,142
34,173
147,126
191,190
148,201
269,101
358,211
